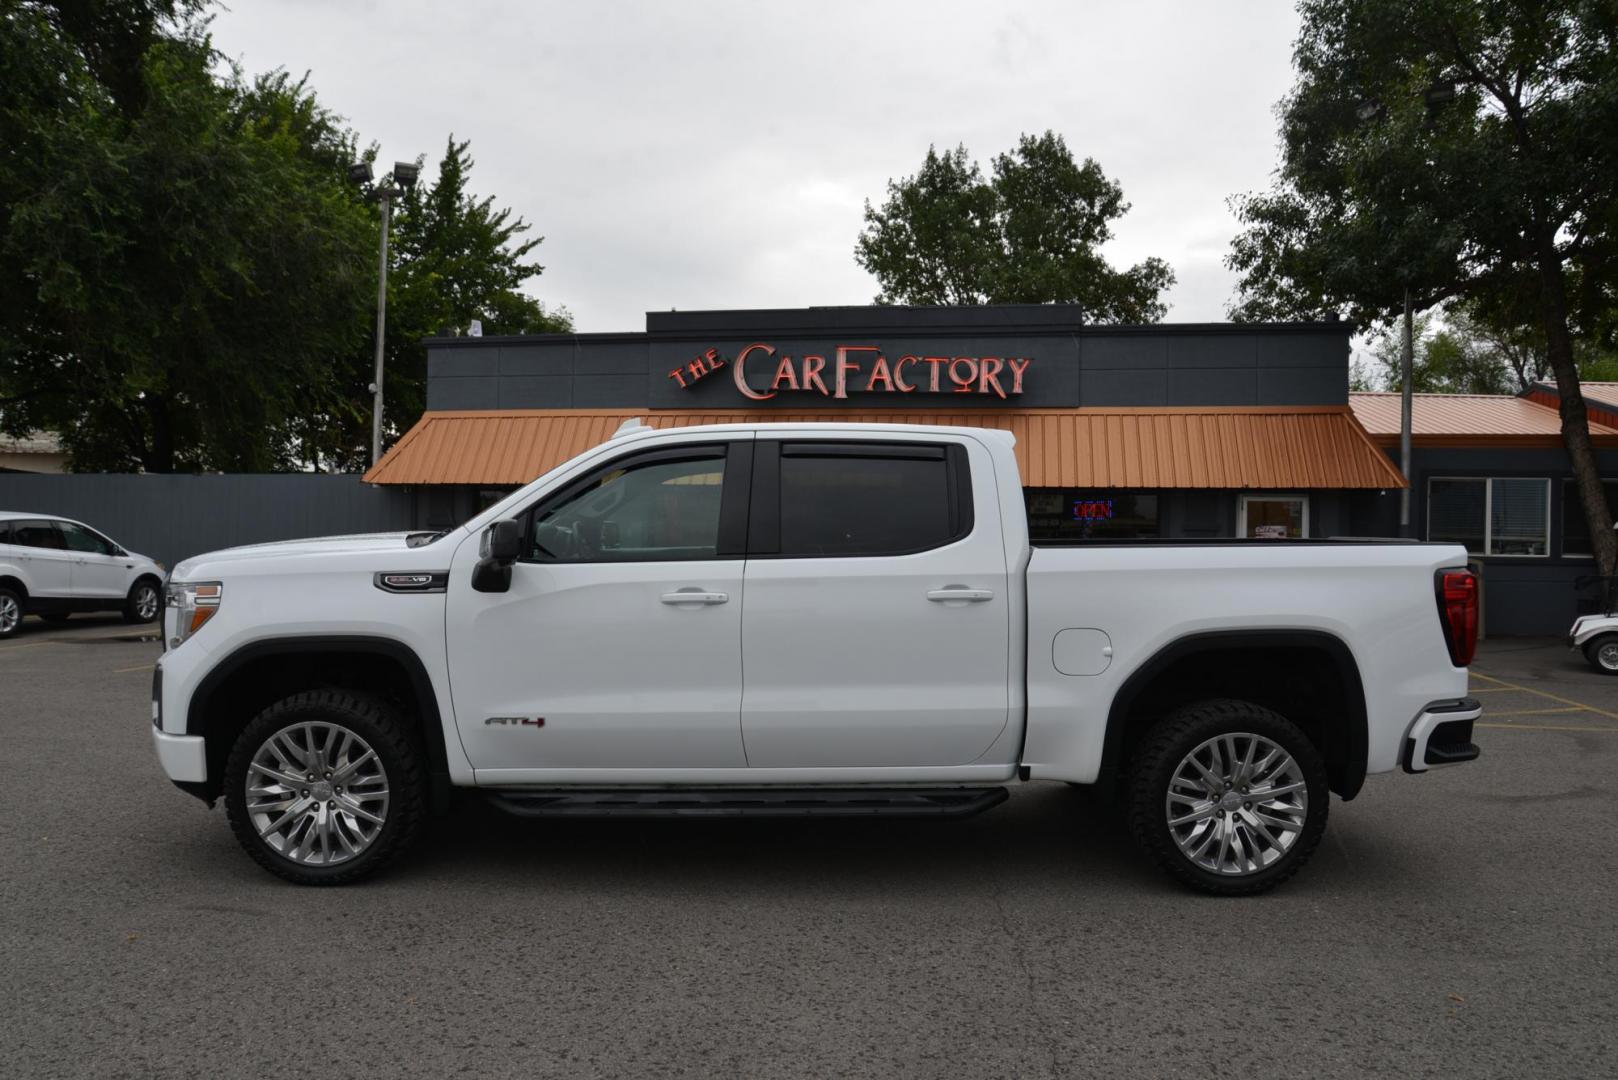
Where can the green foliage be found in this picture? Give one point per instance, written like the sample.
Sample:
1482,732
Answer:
1031,234
1384,186
1446,360
453,258
187,278
181,270
1451,150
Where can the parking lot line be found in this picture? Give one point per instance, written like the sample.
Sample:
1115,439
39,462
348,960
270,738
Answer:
1549,697
137,667
1547,727
1536,712
30,645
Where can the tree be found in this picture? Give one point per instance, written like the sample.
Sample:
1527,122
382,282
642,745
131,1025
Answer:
187,278
453,258
1450,150
1029,235
182,259
1448,359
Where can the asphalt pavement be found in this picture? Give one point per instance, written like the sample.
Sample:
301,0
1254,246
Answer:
1457,924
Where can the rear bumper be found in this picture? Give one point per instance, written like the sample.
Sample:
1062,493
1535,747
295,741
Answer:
184,757
1441,735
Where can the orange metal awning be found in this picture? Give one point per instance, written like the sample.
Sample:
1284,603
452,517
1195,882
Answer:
1470,420
1230,447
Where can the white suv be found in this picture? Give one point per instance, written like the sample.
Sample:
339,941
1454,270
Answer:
52,567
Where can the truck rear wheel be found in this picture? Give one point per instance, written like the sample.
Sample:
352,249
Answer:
325,787
1228,797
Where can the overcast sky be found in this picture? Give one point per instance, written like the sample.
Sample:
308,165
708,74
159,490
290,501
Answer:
718,155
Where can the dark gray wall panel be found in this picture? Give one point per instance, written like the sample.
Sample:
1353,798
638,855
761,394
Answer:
1131,351
1124,387
481,393
611,358
451,361
539,358
1211,350
609,391
1302,386
536,392
174,517
1302,350
1212,386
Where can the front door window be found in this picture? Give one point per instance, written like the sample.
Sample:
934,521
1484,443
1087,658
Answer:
1274,517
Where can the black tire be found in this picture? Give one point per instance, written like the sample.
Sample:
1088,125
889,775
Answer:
138,592
1592,653
379,725
12,608
1165,747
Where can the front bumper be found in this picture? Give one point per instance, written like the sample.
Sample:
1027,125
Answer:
1441,735
184,757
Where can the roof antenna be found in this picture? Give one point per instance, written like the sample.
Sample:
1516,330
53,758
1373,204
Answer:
629,427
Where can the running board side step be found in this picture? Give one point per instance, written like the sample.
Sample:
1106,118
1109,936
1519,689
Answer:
752,802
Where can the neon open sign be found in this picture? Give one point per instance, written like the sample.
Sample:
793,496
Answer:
1093,510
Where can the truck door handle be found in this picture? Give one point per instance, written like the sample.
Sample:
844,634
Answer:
694,596
959,592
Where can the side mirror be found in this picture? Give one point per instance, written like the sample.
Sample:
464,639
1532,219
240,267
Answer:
502,542
500,546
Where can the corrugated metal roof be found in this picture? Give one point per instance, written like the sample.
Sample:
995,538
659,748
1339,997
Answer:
1259,448
1463,418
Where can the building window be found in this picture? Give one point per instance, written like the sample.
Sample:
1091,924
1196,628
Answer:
1491,515
1273,517
1057,514
1575,530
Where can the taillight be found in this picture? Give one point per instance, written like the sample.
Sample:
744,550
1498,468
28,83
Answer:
1458,611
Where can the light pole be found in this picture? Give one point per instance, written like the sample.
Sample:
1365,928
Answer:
396,183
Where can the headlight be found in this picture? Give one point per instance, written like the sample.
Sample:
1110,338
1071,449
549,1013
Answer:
194,603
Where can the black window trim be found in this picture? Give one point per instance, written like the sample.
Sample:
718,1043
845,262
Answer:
764,520
737,455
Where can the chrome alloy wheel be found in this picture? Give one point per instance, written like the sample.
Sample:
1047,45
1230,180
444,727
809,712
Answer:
10,613
1236,804
317,793
146,601
1606,656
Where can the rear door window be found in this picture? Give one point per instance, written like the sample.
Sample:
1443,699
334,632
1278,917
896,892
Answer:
864,499
38,534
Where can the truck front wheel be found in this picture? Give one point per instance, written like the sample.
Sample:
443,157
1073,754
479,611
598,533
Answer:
1602,653
1228,797
325,787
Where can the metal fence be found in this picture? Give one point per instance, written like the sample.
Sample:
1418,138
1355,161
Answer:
173,517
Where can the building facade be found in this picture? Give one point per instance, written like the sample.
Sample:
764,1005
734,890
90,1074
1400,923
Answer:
1162,431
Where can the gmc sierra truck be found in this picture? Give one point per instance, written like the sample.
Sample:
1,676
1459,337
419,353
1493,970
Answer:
781,619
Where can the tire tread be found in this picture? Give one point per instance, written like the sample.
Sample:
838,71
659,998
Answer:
1170,740
406,781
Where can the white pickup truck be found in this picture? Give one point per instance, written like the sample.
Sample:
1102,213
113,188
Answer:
804,619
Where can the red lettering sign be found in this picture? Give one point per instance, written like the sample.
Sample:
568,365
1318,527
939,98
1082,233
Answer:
849,371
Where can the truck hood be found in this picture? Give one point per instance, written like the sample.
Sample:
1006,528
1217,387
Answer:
289,550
